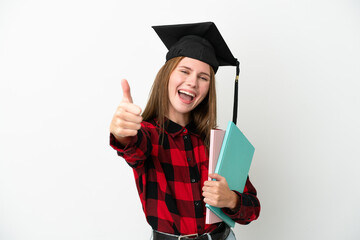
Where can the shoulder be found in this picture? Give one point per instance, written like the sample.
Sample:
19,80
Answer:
150,126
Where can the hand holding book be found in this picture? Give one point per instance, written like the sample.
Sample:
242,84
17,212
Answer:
218,194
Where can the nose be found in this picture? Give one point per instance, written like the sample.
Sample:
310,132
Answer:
192,80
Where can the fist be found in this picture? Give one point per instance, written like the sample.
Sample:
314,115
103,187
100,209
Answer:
217,193
127,119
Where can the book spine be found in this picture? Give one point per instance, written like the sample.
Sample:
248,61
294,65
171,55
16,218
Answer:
223,147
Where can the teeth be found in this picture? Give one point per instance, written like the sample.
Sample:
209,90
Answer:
187,93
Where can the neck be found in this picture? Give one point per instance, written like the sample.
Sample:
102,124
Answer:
181,119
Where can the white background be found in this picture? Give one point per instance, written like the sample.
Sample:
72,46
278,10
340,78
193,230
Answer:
61,63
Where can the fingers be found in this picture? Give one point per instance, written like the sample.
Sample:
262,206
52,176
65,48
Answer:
126,91
210,189
127,120
128,113
216,176
122,129
131,125
220,201
217,193
211,183
122,132
211,201
130,108
219,179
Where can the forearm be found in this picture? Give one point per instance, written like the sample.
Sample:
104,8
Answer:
119,142
136,150
234,204
248,205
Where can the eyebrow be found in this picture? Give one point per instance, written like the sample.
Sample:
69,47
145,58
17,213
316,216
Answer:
204,73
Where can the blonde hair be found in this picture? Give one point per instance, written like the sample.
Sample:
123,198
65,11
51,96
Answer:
203,116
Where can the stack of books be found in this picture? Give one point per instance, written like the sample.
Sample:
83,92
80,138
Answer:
230,156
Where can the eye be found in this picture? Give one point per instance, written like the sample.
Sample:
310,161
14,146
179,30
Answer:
204,78
184,71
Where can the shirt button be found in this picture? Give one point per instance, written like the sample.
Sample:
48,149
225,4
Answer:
199,227
193,180
185,137
184,130
189,159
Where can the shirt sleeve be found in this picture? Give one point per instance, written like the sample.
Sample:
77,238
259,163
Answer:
249,205
137,150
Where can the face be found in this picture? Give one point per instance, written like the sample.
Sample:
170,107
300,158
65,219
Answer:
188,86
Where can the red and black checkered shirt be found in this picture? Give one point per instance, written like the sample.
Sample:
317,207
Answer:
170,173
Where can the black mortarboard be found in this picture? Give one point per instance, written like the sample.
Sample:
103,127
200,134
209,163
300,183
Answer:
201,41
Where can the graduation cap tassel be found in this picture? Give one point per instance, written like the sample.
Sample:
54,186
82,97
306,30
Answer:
236,90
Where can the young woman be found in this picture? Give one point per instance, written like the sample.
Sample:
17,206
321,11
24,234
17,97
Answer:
167,145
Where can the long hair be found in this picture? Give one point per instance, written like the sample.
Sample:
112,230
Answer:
203,116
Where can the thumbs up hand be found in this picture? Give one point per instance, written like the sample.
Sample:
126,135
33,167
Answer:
127,119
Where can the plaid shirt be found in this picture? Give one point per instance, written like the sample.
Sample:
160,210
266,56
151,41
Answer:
169,176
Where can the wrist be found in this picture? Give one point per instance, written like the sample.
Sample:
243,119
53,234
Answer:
119,142
234,203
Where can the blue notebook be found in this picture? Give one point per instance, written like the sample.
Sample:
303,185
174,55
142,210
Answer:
233,163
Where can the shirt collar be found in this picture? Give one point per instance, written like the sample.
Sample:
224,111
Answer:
174,129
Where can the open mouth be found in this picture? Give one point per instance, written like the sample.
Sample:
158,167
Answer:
186,96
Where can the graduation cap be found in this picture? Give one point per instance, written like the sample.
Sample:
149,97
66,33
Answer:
201,41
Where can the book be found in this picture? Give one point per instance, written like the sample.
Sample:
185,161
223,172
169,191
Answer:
233,163
216,139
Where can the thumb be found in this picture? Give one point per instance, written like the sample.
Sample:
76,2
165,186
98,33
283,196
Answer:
216,176
126,91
